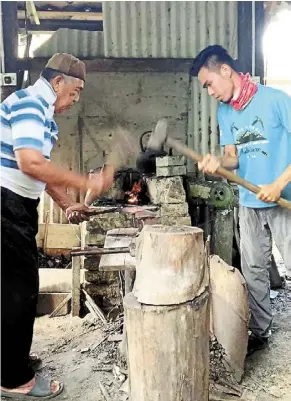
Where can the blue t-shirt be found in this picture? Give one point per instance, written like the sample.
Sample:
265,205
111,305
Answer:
262,134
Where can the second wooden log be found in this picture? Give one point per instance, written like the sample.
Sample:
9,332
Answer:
168,350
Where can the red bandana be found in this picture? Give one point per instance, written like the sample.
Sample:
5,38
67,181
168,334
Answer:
247,90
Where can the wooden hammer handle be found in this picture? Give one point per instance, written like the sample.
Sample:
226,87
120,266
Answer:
185,151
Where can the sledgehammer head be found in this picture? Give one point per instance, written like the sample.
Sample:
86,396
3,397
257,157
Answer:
159,136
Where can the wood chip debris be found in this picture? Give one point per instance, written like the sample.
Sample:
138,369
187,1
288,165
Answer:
104,392
115,338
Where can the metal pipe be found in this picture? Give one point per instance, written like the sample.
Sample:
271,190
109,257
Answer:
253,39
98,251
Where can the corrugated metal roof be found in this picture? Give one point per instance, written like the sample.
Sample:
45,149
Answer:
178,29
202,120
77,42
168,28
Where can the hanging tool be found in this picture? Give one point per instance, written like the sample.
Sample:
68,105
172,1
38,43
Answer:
159,137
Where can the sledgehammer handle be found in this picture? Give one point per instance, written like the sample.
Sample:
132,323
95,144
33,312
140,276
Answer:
185,151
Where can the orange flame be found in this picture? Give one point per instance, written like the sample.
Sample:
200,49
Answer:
133,194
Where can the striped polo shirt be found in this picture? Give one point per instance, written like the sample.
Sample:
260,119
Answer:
26,121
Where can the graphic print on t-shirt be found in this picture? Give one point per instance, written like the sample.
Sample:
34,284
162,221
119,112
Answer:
248,139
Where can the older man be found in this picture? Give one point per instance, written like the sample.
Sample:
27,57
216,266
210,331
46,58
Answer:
28,133
255,132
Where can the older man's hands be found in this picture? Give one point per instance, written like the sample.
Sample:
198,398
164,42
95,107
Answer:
76,213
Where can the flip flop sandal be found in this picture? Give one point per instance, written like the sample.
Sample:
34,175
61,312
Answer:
35,362
40,391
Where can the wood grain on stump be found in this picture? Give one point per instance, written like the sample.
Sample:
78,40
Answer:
168,350
169,265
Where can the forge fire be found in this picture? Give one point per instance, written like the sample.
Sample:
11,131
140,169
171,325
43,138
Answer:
133,196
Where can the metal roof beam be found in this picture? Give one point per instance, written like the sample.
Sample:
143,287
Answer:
64,15
54,25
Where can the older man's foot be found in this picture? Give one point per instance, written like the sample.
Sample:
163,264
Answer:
38,387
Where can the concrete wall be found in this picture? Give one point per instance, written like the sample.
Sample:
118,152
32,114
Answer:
133,100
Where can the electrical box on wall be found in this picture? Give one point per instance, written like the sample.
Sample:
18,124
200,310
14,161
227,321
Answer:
8,79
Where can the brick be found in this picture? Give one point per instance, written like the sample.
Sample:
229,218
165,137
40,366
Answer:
166,190
104,290
174,209
97,227
47,303
101,277
170,171
92,263
170,161
95,239
176,221
104,222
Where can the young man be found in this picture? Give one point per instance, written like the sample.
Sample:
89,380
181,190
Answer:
255,132
28,132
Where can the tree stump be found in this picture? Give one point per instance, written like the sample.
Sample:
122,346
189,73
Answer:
169,265
168,350
168,333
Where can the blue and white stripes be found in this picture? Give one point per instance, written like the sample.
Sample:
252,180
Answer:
26,121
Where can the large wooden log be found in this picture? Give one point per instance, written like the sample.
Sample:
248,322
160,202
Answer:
168,350
169,265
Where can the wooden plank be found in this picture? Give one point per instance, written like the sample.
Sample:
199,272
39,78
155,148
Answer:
48,302
32,12
59,236
76,266
104,392
91,310
117,65
97,311
57,280
51,25
58,251
61,305
65,15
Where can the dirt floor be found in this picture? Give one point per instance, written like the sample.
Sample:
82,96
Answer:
268,372
82,353
70,350
73,353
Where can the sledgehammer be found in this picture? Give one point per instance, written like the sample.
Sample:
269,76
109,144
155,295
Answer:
159,137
